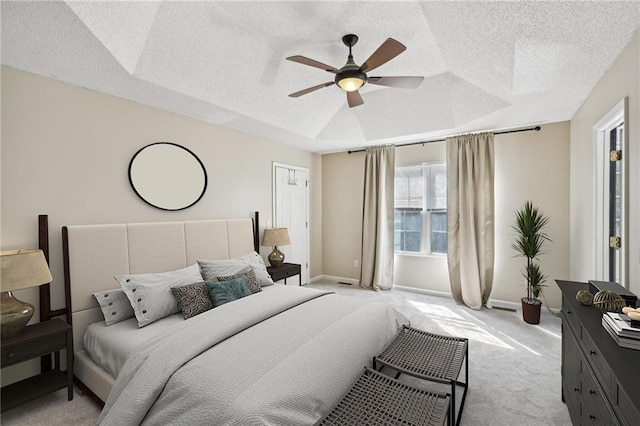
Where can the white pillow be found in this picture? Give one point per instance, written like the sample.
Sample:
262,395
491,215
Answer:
115,305
210,269
252,258
215,268
150,294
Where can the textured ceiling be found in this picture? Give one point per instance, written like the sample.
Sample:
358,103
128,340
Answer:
487,65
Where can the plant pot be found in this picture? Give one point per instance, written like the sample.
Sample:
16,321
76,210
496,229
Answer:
531,310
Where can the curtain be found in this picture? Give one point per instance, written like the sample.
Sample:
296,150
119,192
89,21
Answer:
377,219
470,211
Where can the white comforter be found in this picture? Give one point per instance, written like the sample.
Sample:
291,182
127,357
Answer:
279,357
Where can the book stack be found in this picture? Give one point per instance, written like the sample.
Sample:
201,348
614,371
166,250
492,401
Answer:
619,328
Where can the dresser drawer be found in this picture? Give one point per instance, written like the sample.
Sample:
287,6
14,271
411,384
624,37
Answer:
569,318
13,354
590,416
598,363
571,368
595,408
291,272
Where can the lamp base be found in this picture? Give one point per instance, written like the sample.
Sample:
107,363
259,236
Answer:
276,257
14,315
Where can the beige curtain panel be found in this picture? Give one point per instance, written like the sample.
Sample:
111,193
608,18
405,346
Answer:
470,217
377,219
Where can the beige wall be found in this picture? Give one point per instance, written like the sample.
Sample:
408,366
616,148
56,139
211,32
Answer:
66,150
529,166
342,189
532,166
620,81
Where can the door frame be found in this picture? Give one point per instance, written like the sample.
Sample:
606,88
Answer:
274,205
601,191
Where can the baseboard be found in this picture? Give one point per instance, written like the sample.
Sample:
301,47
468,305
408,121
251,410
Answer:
514,306
491,304
423,291
336,279
503,304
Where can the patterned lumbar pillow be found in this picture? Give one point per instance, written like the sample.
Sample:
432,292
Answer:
252,281
222,292
193,299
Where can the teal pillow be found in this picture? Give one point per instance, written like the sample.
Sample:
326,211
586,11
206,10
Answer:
222,292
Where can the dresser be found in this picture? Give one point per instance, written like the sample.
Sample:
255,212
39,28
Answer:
600,380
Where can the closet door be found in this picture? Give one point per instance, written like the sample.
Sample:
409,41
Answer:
291,211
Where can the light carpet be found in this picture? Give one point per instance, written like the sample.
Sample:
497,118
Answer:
514,367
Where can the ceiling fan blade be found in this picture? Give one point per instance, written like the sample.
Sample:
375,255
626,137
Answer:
354,99
399,82
311,89
313,63
386,52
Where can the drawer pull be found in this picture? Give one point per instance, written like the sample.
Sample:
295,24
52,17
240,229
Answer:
592,392
592,417
576,389
591,352
568,311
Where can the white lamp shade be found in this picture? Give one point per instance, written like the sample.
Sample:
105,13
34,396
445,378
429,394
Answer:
275,237
23,269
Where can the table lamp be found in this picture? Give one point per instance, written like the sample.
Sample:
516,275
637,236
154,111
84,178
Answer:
20,269
276,237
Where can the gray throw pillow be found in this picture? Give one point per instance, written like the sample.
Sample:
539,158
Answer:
211,269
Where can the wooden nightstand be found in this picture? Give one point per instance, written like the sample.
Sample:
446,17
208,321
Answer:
285,271
34,341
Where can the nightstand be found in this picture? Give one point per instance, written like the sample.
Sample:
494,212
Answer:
285,271
34,341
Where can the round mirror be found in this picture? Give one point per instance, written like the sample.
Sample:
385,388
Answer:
167,176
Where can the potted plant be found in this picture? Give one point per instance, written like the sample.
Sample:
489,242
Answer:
529,243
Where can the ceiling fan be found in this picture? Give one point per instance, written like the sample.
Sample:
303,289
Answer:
351,76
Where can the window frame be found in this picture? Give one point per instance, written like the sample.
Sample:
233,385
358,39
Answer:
425,212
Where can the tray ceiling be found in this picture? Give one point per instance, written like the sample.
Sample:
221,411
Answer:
487,65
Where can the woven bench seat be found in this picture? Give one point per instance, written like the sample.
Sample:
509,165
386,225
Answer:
379,400
430,357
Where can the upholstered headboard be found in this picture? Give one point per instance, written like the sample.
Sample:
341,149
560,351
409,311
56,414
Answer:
93,254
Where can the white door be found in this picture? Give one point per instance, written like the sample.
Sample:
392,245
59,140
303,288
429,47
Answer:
290,189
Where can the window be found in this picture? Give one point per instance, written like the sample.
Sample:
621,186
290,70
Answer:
420,224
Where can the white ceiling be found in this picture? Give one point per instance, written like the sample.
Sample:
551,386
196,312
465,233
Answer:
487,65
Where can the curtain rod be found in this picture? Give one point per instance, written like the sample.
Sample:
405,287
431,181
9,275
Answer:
528,129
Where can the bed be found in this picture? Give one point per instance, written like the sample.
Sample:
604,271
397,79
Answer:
284,355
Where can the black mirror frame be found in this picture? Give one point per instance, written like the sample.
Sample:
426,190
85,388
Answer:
204,171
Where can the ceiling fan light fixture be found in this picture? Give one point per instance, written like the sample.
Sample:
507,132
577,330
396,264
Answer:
351,81
352,76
